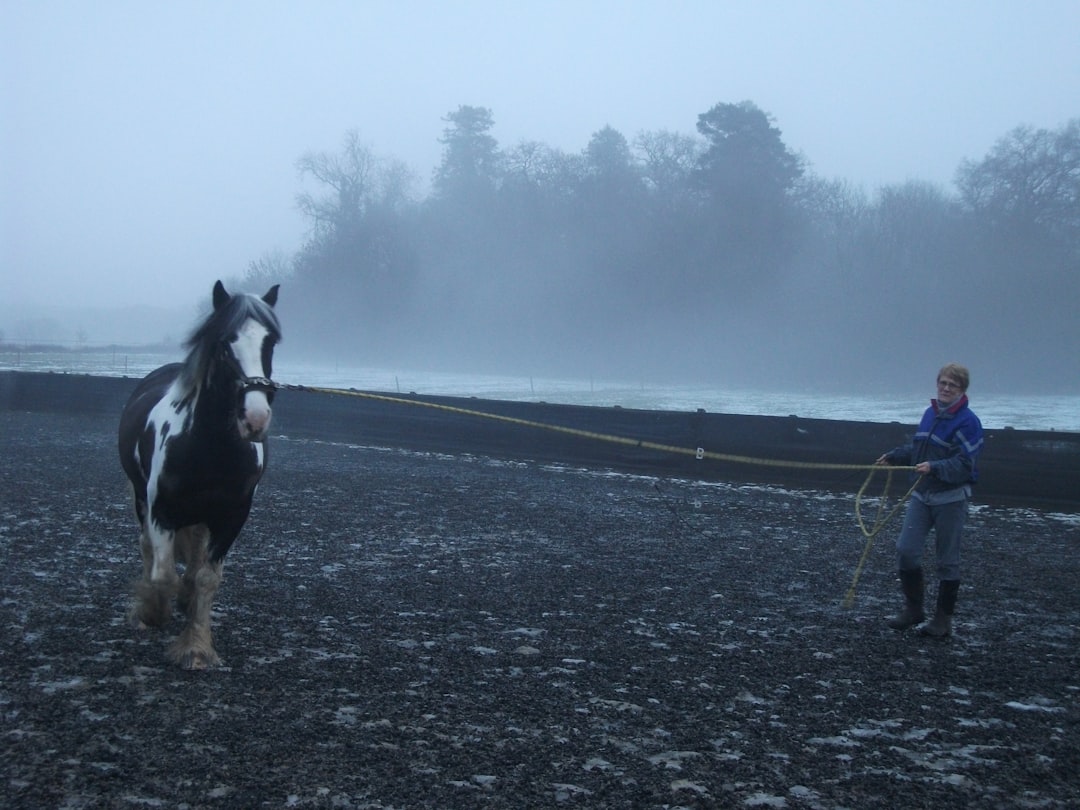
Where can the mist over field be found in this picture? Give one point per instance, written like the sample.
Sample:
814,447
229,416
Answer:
841,211
708,259
701,258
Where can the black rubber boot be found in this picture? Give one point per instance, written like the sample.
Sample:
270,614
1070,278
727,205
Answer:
941,625
911,583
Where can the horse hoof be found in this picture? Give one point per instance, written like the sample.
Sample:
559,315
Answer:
198,661
153,603
136,621
197,658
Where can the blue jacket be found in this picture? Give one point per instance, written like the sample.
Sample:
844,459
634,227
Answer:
950,439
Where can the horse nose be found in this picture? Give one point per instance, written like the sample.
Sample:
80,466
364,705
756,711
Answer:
256,427
255,419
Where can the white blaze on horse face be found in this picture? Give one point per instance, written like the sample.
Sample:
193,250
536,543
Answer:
254,418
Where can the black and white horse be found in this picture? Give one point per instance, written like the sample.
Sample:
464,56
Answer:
192,442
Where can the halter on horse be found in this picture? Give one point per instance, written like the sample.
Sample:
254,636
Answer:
192,442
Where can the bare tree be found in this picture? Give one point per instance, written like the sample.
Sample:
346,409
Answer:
1030,178
667,159
353,180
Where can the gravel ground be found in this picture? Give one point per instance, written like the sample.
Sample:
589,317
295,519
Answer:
403,629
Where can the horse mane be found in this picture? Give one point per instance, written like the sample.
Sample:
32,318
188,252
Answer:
204,341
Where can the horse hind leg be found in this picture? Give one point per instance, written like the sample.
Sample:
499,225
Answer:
194,649
153,598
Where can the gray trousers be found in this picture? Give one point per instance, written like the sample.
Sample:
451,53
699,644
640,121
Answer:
947,520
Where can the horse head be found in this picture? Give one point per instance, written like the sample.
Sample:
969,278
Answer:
235,350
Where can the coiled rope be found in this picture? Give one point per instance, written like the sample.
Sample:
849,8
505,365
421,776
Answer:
881,518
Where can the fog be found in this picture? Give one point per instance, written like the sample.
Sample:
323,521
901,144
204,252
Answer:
151,149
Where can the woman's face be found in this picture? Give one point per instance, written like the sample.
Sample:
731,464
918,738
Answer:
948,390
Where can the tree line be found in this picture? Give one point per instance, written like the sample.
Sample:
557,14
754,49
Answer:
718,254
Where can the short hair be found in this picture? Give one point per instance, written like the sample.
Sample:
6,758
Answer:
957,373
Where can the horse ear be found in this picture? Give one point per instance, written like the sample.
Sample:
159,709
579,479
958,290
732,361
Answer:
221,298
271,295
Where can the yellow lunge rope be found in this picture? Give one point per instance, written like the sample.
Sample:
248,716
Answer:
880,519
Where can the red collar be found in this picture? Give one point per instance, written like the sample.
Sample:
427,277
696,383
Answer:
953,409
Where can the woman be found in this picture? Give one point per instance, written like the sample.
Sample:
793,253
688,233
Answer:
943,452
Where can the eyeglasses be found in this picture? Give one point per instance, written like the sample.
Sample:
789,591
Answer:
948,384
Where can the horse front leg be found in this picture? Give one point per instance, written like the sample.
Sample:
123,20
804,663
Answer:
203,548
155,590
191,549
194,649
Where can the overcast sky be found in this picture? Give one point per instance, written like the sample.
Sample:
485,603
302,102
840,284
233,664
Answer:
149,148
